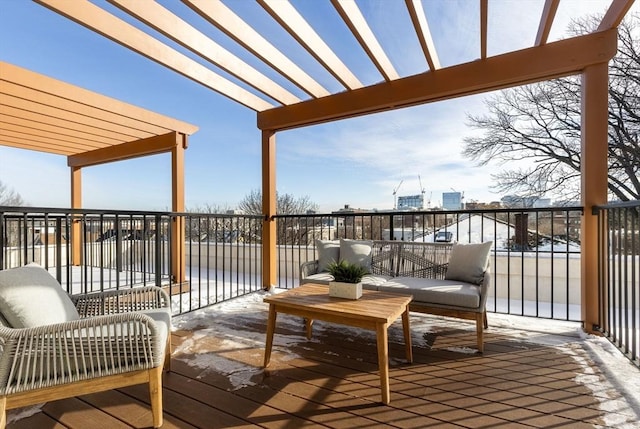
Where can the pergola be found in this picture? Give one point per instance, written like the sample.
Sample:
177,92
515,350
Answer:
279,108
44,114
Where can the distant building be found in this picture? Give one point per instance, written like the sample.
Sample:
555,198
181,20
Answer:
411,202
532,201
452,200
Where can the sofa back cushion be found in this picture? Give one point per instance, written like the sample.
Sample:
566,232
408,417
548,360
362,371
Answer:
358,252
328,252
468,262
30,296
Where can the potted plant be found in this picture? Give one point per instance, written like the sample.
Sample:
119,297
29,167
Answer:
347,279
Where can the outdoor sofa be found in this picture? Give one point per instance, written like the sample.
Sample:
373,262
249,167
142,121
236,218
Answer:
445,279
54,345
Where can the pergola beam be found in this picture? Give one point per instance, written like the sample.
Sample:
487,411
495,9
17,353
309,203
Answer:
149,146
351,15
546,21
219,15
178,30
556,59
615,14
93,17
289,18
484,25
419,19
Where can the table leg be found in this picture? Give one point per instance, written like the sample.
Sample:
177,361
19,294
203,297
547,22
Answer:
407,335
383,360
271,326
309,327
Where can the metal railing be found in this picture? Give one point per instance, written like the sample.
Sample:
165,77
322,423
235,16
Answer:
619,269
535,259
120,249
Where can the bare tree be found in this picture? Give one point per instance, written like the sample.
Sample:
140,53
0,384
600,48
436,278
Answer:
9,197
540,123
291,230
285,204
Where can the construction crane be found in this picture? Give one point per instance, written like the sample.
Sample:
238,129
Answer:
395,191
422,191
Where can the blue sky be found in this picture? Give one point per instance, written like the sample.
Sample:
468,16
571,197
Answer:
357,161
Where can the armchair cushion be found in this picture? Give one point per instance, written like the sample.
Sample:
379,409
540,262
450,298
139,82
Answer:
328,252
30,297
468,262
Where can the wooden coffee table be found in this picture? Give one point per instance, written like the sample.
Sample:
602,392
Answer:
375,311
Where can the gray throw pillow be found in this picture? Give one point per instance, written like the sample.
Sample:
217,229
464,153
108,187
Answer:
468,262
30,296
328,252
359,252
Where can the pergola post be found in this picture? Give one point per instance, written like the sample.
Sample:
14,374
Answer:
76,203
269,248
594,166
177,205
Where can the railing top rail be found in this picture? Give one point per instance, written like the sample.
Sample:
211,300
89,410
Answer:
51,211
617,205
436,212
65,211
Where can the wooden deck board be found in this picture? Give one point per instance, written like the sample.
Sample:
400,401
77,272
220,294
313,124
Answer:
331,381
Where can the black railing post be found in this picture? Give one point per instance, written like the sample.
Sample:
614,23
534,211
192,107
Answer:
59,249
158,252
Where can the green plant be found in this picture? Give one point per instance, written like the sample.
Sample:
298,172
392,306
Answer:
346,272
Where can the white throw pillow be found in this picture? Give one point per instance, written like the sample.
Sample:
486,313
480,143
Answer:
30,296
328,252
468,262
359,252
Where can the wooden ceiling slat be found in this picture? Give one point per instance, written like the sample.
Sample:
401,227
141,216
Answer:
71,147
45,84
419,19
63,104
20,103
217,14
484,23
110,26
521,67
546,21
350,13
15,128
289,18
40,147
50,129
178,30
615,14
44,121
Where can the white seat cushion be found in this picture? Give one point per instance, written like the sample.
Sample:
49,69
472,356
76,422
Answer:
434,291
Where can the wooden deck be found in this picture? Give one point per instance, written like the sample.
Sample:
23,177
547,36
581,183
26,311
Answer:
523,380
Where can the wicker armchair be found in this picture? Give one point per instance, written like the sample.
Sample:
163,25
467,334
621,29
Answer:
120,338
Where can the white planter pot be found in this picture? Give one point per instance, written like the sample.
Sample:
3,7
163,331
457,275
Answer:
345,290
